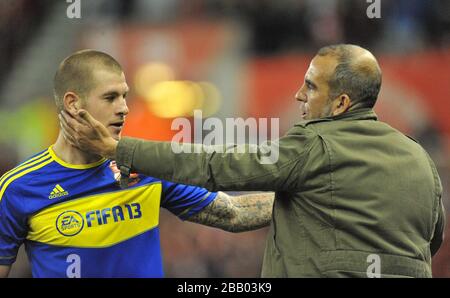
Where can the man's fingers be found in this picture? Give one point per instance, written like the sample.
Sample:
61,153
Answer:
97,126
68,118
66,135
66,128
72,118
87,117
75,122
68,124
81,119
69,139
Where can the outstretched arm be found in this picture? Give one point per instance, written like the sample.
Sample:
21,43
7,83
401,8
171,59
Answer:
237,214
271,166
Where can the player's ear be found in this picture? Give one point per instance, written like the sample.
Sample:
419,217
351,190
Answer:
71,102
341,104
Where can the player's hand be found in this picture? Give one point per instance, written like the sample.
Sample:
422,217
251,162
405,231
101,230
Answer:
81,130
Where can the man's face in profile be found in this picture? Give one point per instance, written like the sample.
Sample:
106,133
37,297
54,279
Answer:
107,101
314,94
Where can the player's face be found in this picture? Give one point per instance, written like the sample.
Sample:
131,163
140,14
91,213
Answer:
107,101
313,95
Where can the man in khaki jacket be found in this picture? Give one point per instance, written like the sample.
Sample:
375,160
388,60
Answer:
354,196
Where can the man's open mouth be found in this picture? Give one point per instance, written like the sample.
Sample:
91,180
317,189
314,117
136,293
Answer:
117,124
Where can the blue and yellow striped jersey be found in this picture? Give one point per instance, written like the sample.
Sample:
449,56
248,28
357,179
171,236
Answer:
76,221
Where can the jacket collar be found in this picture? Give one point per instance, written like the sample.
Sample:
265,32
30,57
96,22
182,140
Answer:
360,114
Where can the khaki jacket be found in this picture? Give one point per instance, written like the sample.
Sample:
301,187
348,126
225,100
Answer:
350,191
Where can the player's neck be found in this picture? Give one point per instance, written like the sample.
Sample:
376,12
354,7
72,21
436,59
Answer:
71,154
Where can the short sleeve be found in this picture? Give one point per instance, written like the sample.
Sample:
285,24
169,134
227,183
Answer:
12,227
185,200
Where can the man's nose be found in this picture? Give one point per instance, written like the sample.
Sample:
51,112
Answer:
300,96
123,107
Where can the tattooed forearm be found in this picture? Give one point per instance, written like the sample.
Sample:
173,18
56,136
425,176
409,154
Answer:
237,214
254,211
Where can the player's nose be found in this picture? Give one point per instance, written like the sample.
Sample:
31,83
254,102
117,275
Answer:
123,108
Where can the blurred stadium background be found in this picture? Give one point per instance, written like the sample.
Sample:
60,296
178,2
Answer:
229,58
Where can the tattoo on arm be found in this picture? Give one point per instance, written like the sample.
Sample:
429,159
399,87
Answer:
237,214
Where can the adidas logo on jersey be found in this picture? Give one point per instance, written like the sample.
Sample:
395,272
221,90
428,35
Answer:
57,192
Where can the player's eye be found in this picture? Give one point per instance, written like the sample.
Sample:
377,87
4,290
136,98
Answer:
110,98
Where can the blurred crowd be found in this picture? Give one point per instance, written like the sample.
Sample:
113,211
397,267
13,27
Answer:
191,250
274,26
19,19
403,25
287,25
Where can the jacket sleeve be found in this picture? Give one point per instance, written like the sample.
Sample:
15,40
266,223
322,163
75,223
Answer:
274,166
439,211
438,236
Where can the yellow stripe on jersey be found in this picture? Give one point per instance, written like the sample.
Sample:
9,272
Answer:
23,165
73,166
100,220
15,173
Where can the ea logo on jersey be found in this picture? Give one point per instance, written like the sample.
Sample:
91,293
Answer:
69,223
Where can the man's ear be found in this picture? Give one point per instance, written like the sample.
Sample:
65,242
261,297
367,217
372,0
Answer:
72,102
341,104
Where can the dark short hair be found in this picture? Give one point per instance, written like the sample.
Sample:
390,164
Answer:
75,73
360,82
